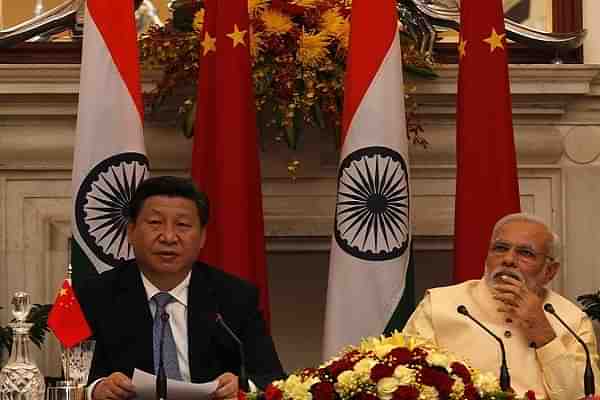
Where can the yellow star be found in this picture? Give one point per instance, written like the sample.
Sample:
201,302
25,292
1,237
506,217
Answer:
208,44
237,36
495,40
462,48
63,292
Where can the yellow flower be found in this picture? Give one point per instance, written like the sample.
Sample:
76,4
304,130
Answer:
386,387
295,388
333,24
198,20
306,3
256,43
486,382
312,48
255,7
276,22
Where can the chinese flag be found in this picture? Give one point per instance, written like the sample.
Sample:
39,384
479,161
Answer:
225,161
486,183
66,319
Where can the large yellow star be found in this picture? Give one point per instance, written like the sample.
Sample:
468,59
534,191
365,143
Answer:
208,44
462,48
63,292
495,40
237,36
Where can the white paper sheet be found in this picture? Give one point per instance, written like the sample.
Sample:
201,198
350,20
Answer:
145,386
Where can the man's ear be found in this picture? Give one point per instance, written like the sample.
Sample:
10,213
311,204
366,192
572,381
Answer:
203,237
130,229
550,271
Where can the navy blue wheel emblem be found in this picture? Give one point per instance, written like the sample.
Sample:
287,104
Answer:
372,209
102,204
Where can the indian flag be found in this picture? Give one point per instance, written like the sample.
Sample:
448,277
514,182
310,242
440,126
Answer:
370,249
110,158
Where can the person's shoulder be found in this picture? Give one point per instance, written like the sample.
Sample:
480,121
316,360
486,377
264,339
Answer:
107,279
220,279
458,287
564,307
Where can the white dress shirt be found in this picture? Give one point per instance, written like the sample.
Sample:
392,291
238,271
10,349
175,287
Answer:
177,311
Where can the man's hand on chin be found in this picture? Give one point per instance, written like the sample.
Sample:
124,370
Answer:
227,388
117,386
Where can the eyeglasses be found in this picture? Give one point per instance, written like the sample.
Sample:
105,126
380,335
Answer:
524,254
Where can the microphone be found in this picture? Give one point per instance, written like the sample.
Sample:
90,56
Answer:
588,375
161,376
243,375
504,376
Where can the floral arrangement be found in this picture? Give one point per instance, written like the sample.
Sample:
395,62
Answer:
398,367
298,50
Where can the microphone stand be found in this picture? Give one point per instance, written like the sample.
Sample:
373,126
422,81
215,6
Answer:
588,375
504,375
243,378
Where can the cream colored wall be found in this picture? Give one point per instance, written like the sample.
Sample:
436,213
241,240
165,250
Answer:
13,12
591,47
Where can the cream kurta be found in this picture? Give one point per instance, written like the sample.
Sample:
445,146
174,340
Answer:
553,371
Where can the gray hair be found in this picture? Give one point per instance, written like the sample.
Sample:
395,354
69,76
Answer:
553,245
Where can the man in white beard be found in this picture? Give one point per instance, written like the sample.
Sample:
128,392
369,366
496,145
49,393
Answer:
542,356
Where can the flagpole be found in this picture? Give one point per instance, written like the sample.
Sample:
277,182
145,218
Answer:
67,350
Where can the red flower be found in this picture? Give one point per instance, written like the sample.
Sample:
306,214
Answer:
339,366
462,371
471,393
406,393
273,393
530,395
323,391
241,395
381,371
400,355
418,356
285,7
438,379
364,396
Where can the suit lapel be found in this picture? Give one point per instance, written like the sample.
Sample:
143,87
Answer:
135,325
202,310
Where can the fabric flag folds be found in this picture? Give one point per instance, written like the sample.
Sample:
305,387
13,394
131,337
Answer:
225,161
486,184
370,250
109,160
66,319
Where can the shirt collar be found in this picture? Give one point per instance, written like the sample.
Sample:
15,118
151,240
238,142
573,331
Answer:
179,292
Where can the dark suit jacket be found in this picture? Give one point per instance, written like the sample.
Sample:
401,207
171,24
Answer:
116,306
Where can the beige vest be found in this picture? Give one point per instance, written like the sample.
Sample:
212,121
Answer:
463,337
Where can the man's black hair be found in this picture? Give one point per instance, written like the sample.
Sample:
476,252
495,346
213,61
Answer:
170,186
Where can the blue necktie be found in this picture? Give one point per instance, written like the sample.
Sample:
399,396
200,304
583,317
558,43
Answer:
170,362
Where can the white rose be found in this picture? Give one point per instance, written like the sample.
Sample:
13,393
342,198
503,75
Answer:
363,368
428,393
386,387
405,375
439,360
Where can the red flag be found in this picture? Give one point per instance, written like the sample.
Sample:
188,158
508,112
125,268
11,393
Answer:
486,182
66,319
225,161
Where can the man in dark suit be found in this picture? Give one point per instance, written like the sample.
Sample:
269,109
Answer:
166,230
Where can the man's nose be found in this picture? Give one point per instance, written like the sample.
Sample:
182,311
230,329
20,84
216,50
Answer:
168,233
509,257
